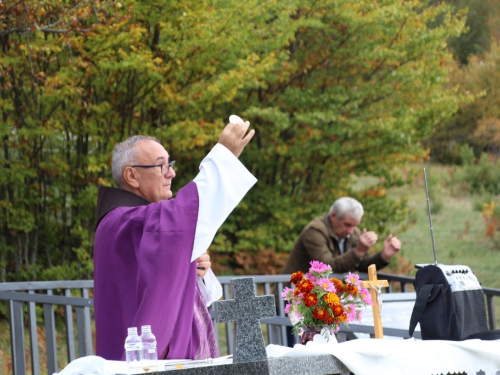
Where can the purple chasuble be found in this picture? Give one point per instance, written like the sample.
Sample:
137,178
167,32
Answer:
143,275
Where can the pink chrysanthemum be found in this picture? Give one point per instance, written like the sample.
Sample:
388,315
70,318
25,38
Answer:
350,310
287,293
319,267
326,284
311,277
287,308
352,278
365,296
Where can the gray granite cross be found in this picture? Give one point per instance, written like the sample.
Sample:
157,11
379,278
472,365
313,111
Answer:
246,310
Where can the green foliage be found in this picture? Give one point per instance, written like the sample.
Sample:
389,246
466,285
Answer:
436,205
482,178
333,89
466,155
480,22
476,123
434,190
479,200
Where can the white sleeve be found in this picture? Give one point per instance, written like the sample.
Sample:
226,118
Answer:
222,183
210,288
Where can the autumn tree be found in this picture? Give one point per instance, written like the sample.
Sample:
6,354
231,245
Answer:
481,27
477,117
333,88
360,86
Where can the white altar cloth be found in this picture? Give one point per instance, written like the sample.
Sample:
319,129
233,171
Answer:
362,356
404,357
94,365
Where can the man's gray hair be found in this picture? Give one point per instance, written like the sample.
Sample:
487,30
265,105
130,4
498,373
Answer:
125,154
347,205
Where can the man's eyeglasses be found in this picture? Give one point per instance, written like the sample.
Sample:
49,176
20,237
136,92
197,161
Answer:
164,168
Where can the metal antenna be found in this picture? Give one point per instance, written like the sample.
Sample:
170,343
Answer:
430,220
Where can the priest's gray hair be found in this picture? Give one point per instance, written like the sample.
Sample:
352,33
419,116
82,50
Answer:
347,205
125,154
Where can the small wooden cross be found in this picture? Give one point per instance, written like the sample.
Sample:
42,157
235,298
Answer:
374,286
246,310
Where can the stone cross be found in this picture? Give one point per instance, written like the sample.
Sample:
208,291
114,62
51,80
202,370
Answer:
246,310
374,286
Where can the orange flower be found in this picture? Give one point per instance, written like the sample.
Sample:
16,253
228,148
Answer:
328,319
297,277
332,299
343,317
310,299
352,289
320,313
338,310
307,286
338,284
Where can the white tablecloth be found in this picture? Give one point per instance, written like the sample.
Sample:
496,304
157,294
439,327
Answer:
363,356
94,365
404,357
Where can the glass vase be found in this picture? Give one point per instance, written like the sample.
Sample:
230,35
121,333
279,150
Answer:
309,332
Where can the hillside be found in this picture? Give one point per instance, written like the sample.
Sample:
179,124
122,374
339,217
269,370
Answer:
459,229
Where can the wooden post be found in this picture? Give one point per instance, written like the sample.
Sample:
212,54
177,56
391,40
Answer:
374,285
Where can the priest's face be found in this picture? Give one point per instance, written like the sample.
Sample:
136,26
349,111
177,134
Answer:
343,227
152,184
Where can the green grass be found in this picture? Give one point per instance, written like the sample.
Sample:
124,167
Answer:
459,230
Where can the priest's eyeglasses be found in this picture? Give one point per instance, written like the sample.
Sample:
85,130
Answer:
164,168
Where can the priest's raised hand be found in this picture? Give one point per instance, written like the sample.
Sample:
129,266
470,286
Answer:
235,137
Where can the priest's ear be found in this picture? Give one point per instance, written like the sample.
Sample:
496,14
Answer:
130,178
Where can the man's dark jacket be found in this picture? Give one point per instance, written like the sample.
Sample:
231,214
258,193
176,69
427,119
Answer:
318,241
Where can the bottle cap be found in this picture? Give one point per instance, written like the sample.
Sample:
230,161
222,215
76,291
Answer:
146,328
132,330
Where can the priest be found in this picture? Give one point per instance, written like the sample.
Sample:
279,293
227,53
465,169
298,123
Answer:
149,245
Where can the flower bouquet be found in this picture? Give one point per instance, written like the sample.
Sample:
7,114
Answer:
321,302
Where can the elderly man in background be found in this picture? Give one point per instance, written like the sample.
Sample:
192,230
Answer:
335,239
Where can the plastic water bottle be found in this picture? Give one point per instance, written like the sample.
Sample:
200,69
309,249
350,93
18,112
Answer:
149,352
133,349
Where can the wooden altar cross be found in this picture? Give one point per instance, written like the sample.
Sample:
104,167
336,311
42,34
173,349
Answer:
374,285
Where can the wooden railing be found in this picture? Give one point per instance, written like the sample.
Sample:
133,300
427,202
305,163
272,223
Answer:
46,308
